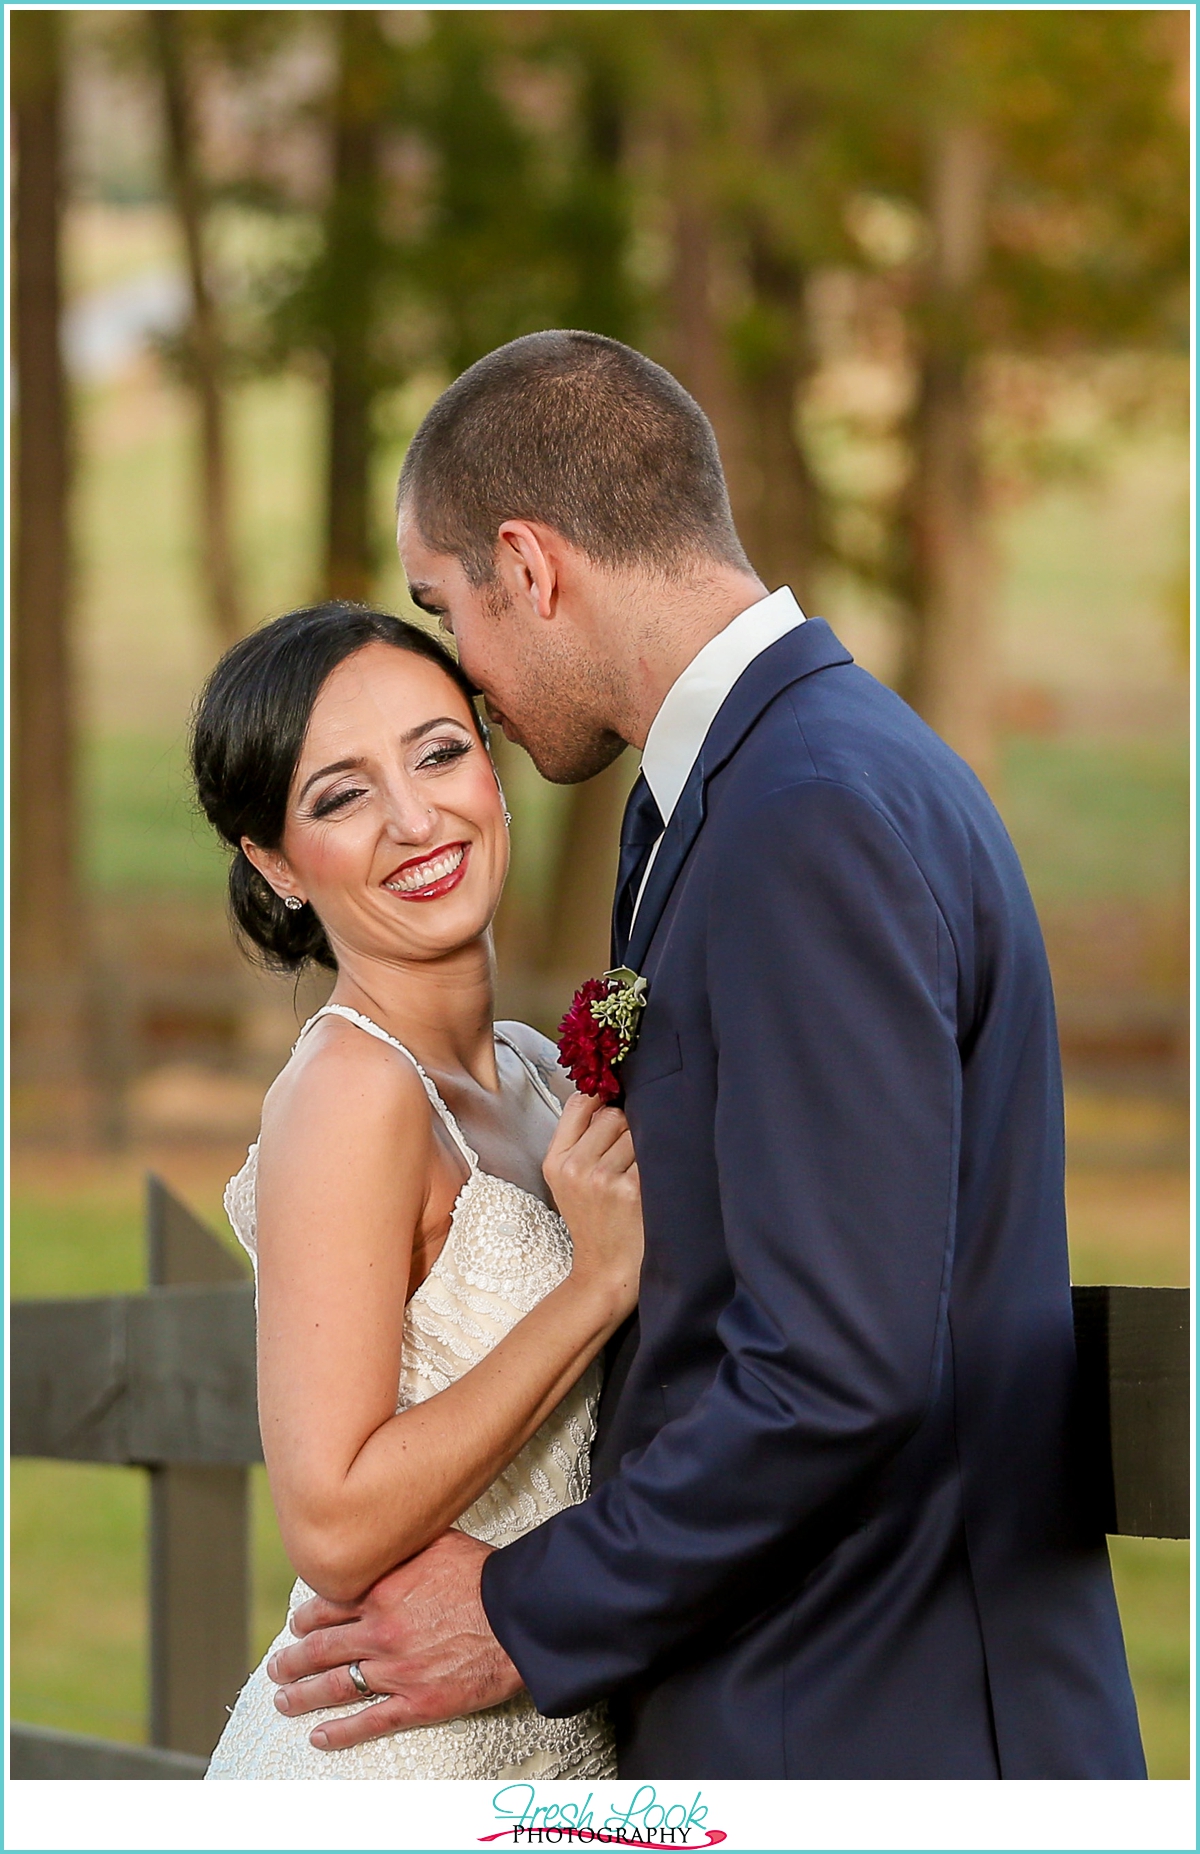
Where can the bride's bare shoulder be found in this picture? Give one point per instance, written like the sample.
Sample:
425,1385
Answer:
339,1075
543,1054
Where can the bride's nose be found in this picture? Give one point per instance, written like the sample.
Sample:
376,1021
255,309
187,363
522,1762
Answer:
409,818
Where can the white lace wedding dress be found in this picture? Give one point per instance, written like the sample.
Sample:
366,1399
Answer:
505,1250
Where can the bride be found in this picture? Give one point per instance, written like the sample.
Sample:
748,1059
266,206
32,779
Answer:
428,1331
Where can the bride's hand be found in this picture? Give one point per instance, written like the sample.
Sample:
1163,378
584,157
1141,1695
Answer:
593,1174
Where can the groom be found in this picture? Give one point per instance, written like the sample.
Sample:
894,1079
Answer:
833,1529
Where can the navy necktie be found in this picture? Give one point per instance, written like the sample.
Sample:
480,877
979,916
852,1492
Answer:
641,828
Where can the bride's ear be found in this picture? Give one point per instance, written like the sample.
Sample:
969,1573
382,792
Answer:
274,868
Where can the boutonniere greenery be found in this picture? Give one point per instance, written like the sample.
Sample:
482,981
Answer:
599,1030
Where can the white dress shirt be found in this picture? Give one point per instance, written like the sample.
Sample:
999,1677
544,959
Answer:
689,708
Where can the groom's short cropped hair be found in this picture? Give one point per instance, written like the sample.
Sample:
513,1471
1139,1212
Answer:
579,432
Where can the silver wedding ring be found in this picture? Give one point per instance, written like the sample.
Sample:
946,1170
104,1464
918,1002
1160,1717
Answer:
356,1675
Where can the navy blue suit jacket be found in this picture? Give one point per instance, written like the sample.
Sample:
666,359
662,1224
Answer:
834,1528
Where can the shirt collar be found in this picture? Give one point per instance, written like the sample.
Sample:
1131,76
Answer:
690,705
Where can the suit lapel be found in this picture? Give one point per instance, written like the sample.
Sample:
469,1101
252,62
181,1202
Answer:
810,647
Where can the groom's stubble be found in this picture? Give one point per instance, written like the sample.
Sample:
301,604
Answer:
542,683
555,700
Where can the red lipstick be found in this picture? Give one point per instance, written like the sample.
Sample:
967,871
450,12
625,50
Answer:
446,867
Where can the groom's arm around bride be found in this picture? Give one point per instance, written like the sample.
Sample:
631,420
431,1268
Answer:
832,1531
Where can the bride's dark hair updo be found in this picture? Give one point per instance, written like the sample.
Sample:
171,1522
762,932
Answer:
247,734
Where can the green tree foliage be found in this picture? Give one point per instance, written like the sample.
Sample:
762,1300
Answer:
481,254
458,214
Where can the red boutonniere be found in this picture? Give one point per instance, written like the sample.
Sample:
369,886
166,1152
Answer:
600,1029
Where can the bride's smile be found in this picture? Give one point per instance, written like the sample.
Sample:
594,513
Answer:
427,878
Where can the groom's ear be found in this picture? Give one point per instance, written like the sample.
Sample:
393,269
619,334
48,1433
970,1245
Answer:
529,562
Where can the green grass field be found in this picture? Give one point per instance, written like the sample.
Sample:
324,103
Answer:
79,1532
1098,819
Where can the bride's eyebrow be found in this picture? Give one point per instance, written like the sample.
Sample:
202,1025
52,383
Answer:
324,771
415,733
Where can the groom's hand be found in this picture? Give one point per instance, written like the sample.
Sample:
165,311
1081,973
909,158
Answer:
420,1636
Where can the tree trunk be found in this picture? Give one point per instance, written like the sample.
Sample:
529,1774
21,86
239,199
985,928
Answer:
699,353
949,677
594,230
204,340
47,947
351,265
777,517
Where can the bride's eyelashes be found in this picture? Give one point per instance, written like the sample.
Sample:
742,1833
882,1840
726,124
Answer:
442,753
331,802
435,756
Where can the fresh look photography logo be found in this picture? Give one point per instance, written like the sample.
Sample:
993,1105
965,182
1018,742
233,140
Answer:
648,1820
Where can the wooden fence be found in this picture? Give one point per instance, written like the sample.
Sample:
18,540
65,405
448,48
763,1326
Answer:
165,1380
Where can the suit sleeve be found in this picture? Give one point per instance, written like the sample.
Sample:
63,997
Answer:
831,985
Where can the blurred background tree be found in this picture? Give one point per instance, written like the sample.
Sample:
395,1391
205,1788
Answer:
171,35
926,271
49,1019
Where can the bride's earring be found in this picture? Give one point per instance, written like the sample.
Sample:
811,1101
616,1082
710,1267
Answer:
504,803
293,902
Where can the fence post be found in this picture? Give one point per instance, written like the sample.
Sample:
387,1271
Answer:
199,1531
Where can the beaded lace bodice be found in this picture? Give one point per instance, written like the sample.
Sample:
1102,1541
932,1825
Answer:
504,1252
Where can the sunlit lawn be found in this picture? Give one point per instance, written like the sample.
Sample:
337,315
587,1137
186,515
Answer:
1099,819
79,1533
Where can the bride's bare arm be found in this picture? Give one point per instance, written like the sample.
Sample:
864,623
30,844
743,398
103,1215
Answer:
346,1158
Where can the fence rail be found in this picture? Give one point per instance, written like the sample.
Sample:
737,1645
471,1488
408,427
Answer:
165,1380
52,1757
1134,1350
155,1378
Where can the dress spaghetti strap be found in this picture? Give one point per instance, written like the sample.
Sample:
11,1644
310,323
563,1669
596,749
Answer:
530,1069
376,1030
